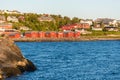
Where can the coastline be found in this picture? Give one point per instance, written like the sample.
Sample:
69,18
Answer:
82,38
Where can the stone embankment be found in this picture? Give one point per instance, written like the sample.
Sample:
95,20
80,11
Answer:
64,39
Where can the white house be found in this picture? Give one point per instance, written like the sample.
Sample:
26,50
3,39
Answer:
114,23
90,22
97,28
12,19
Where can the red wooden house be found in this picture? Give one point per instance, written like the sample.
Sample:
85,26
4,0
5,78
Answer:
47,34
41,34
27,34
68,34
53,35
59,34
50,34
76,34
6,26
83,26
15,35
75,26
34,34
68,27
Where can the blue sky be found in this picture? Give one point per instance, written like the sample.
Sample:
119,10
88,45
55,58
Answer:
72,8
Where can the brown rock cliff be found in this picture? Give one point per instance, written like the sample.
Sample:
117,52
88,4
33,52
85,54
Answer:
12,62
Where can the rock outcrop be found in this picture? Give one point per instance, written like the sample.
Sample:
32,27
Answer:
12,62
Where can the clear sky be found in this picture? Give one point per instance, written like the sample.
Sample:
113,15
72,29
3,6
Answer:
91,9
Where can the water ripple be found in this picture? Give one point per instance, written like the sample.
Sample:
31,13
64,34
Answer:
93,60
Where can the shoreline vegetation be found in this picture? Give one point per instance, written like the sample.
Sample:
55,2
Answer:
81,38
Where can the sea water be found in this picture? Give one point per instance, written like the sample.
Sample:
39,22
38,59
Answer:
86,60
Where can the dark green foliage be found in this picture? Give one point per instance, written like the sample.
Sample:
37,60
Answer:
31,20
75,20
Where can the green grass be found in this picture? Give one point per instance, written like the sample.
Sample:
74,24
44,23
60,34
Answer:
102,33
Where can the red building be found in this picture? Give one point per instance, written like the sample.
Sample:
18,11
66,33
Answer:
6,26
47,34
59,34
41,34
83,26
68,34
34,34
51,34
27,34
68,27
76,34
14,35
75,26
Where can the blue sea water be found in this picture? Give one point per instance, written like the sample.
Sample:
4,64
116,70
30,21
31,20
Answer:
89,60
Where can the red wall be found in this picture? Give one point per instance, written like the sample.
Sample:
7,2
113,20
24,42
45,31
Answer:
60,35
47,34
14,35
41,34
52,34
68,34
28,34
76,34
34,34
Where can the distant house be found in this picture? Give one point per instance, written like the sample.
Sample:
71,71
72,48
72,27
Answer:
9,12
104,21
88,21
25,28
12,19
21,18
96,28
2,19
68,27
75,26
46,17
83,26
118,21
5,25
114,23
110,28
6,28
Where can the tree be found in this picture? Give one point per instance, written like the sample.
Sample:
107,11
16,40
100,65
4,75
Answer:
17,25
75,20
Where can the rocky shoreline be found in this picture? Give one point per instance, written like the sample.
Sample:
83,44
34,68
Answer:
12,62
64,39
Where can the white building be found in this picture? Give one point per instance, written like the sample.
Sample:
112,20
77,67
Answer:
114,23
90,22
96,28
12,19
9,12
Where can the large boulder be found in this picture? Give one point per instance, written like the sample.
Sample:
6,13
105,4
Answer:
12,62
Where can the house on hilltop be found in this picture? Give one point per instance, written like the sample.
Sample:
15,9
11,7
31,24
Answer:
5,25
21,18
46,17
12,19
104,21
25,28
9,12
2,19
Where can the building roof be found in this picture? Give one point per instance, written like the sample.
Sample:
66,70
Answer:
45,17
